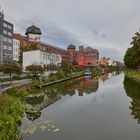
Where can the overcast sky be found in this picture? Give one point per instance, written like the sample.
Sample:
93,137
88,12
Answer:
106,25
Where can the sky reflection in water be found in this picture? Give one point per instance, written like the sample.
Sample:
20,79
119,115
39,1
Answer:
105,107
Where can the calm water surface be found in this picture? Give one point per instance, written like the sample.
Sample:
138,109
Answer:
101,108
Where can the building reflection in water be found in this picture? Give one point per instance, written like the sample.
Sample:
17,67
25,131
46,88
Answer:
36,102
104,77
132,89
107,76
88,86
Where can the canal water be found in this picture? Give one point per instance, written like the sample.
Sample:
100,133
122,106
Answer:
100,108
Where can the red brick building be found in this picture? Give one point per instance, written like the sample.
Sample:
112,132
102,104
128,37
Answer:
84,56
33,35
88,86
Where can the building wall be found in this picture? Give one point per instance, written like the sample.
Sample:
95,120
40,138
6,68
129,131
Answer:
34,37
42,46
39,57
31,57
16,49
80,60
87,58
6,40
72,55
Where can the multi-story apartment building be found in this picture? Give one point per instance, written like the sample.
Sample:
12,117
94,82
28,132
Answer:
6,39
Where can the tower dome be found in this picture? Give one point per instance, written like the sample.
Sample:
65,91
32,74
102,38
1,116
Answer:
33,33
90,49
71,46
33,30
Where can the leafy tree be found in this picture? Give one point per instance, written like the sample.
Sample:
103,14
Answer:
67,67
30,47
132,56
23,48
10,68
35,70
52,67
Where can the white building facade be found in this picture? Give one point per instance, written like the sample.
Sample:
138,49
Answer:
16,49
40,57
110,62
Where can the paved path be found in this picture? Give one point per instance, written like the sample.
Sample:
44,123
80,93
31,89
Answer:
7,85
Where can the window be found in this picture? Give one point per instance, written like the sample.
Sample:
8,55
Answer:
5,39
9,40
4,32
9,33
5,25
9,48
5,47
9,27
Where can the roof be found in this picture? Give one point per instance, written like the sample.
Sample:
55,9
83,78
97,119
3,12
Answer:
71,46
89,49
52,46
33,30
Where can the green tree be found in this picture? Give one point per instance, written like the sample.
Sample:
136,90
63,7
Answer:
67,67
132,56
10,68
35,70
23,48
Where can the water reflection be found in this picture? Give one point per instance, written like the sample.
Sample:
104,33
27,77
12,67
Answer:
43,108
132,89
36,102
88,86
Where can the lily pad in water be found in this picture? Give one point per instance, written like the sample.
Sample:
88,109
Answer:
43,127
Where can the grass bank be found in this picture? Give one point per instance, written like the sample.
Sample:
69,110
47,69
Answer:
134,74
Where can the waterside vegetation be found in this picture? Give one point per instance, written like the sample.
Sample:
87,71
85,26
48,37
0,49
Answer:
134,74
132,58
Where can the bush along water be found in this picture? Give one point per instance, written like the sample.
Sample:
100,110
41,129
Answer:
11,113
12,108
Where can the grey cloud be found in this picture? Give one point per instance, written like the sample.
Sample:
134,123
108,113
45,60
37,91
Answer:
95,32
104,35
59,36
111,53
77,21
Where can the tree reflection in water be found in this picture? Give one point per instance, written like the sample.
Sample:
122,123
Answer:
132,89
36,102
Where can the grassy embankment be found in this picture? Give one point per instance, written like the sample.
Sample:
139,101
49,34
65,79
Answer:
11,113
134,74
